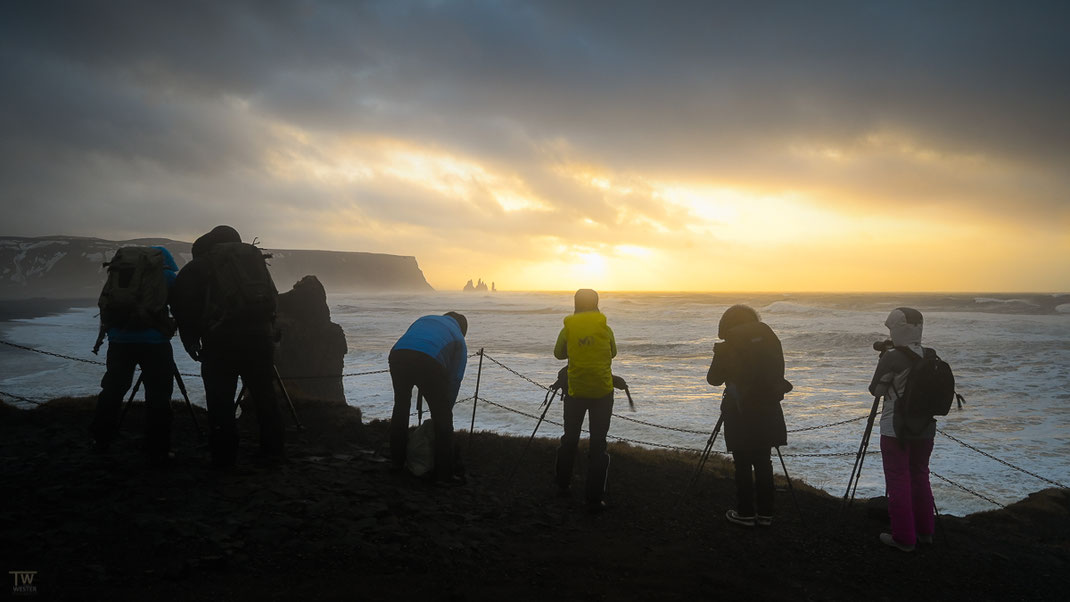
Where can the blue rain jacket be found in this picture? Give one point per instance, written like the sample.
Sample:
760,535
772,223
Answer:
439,337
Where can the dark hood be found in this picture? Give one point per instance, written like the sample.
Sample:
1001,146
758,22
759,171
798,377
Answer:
219,234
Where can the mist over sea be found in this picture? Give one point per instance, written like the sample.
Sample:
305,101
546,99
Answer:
1010,354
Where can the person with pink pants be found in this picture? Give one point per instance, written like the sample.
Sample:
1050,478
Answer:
905,457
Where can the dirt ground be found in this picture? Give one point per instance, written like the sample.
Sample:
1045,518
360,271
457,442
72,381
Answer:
334,523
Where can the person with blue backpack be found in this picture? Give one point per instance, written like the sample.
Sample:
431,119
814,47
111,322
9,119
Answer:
915,385
135,320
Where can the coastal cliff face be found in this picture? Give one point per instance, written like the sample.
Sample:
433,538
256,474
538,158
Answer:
70,267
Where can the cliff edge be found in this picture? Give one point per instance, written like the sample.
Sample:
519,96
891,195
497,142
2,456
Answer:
71,267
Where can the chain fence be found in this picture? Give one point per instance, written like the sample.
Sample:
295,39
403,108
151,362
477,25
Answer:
532,381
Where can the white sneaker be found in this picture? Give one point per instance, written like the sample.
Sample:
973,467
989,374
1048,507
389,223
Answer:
888,540
734,517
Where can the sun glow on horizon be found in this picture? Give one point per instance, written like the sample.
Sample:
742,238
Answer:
627,231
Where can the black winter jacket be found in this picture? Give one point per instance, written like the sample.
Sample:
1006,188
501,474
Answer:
750,363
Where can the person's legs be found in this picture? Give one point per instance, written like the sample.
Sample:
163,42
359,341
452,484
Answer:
435,391
742,460
220,377
920,489
157,370
763,481
118,374
257,371
403,378
598,417
573,409
896,460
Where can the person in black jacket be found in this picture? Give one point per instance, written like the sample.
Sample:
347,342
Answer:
228,347
750,363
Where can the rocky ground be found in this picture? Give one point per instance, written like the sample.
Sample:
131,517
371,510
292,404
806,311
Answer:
334,523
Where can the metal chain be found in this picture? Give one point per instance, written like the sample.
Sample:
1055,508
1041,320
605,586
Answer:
20,398
621,417
822,426
966,489
66,357
543,387
1004,462
660,426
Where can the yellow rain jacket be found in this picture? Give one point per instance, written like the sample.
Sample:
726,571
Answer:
588,344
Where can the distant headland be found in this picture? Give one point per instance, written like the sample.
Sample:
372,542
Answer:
70,267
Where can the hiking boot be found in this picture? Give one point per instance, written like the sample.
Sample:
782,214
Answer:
734,517
888,540
926,539
763,521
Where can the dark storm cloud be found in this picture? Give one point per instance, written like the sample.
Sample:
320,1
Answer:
666,88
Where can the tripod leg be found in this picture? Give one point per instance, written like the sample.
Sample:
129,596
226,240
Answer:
293,411
126,408
856,471
940,522
524,452
185,395
790,488
705,454
241,396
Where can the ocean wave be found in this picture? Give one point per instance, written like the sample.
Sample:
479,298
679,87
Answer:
994,300
1063,308
788,307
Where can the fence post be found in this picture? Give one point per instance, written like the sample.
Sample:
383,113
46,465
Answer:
475,399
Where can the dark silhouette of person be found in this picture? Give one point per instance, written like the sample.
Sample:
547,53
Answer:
905,456
432,356
149,348
587,342
228,347
750,363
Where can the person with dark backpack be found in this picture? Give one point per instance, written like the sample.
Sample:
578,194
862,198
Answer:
134,318
224,301
749,361
916,386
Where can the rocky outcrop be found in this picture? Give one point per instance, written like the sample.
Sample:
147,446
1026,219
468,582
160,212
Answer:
310,352
71,267
481,287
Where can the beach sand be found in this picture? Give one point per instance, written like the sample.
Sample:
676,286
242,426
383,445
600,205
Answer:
334,523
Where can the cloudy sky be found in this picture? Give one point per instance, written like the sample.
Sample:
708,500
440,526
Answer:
795,146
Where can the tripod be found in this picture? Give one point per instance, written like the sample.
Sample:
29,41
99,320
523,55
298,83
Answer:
278,379
547,401
860,457
181,387
705,454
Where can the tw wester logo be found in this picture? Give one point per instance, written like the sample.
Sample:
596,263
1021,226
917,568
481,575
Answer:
24,585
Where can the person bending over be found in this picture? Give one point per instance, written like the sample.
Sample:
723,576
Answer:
432,356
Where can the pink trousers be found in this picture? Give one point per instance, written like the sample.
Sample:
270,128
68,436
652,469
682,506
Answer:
906,479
